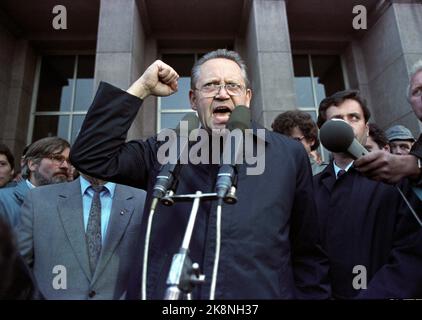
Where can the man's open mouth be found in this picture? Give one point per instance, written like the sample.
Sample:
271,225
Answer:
222,110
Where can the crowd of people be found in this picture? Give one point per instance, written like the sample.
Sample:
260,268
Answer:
74,222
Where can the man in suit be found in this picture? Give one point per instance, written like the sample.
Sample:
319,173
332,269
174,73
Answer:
46,162
269,247
363,221
80,238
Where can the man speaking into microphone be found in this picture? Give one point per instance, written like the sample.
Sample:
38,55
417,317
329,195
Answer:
365,224
269,237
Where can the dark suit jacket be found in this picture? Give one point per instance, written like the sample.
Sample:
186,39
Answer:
269,237
51,235
365,223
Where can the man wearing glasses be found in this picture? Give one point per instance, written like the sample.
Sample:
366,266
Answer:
46,162
269,238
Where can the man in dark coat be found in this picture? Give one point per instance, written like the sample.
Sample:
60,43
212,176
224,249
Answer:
362,220
269,246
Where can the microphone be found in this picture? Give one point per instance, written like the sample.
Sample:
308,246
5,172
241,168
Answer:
239,121
337,136
165,179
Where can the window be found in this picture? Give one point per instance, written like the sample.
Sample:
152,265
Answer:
171,109
64,95
316,77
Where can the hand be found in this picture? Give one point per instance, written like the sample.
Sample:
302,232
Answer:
159,79
387,167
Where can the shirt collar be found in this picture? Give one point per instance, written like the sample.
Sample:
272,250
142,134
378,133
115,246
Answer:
30,185
337,169
85,184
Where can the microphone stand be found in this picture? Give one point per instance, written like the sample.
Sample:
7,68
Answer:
184,274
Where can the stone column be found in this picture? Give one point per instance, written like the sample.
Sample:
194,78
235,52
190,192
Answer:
16,93
120,56
269,58
388,50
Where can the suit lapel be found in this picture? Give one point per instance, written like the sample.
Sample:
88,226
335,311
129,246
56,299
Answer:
121,212
328,177
71,214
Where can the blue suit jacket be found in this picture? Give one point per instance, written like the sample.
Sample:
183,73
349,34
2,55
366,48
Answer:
11,199
51,234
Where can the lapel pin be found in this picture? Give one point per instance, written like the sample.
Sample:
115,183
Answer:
122,212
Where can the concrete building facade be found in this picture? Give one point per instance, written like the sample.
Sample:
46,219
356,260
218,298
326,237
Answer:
298,52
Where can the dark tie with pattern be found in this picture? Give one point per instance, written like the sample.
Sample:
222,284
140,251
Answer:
93,230
340,173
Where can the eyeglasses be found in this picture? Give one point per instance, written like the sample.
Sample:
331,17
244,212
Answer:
212,89
59,158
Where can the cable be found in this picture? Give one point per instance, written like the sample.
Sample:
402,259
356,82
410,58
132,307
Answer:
410,207
146,248
217,249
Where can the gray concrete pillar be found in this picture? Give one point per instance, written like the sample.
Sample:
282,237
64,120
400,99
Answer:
17,110
269,57
409,21
354,63
145,124
389,48
120,55
6,57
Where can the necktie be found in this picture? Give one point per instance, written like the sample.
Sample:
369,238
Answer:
93,230
340,173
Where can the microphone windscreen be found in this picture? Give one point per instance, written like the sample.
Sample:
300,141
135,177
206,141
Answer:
239,119
336,135
193,122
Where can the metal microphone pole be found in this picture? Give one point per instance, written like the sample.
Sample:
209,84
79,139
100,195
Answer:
184,274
